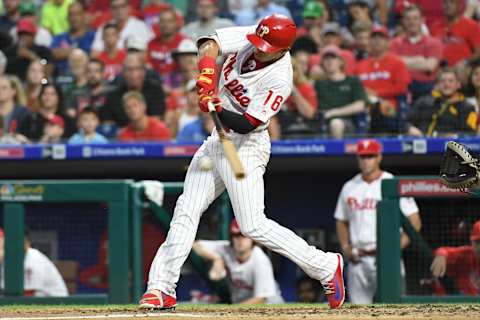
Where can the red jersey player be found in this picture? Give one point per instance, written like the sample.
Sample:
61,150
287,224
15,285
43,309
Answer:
461,263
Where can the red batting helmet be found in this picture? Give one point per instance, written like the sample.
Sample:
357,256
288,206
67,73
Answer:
274,33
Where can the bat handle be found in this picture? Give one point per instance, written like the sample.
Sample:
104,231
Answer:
211,106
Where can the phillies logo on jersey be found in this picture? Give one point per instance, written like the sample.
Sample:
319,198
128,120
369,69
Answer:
238,92
229,66
366,204
262,31
377,75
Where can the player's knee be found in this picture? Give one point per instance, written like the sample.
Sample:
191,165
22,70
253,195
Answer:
252,230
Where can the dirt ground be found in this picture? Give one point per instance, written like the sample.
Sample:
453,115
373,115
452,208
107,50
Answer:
219,312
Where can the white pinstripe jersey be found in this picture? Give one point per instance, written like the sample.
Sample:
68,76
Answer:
261,92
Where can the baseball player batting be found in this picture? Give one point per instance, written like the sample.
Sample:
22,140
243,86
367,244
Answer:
255,80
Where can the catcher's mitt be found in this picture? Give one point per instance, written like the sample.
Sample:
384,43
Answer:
459,169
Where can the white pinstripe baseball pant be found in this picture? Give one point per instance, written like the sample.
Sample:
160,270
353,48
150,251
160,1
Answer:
247,198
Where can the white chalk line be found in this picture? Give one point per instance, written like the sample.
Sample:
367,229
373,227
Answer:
110,316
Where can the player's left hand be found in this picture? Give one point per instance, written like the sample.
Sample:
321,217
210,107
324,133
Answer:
203,103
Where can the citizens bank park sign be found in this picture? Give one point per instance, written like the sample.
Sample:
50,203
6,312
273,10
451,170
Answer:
425,187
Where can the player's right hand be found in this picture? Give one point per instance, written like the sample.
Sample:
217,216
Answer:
439,266
203,103
207,79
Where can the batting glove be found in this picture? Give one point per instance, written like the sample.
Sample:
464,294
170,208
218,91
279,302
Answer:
203,103
207,79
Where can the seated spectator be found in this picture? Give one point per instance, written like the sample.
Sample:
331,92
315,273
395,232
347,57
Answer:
250,271
25,50
12,107
445,112
127,26
207,20
28,9
99,11
313,20
93,95
188,114
7,138
460,36
359,10
36,76
42,278
385,77
53,130
152,10
186,59
55,16
361,45
78,36
331,37
308,290
421,53
263,8
112,57
134,73
341,98
432,11
10,16
87,124
298,117
472,90
159,52
196,131
32,125
137,45
77,62
460,263
141,126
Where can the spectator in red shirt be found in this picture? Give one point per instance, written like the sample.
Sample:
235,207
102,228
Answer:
460,37
160,49
386,79
461,263
141,127
421,53
112,57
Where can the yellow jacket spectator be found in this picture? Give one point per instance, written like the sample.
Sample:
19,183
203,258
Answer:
55,16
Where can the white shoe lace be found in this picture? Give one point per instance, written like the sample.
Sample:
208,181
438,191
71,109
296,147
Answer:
329,287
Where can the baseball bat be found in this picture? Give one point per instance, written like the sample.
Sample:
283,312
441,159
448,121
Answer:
228,147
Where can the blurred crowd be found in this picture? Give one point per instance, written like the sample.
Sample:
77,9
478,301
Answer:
117,70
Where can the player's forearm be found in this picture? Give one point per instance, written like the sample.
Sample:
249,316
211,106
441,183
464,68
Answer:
348,110
209,48
204,253
254,300
236,122
421,63
343,234
404,240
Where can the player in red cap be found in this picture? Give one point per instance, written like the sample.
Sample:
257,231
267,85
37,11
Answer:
461,263
253,83
250,272
356,216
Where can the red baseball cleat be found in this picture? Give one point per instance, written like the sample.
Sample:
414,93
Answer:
335,288
155,299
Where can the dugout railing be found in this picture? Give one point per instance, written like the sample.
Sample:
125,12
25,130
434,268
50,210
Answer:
390,222
125,201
